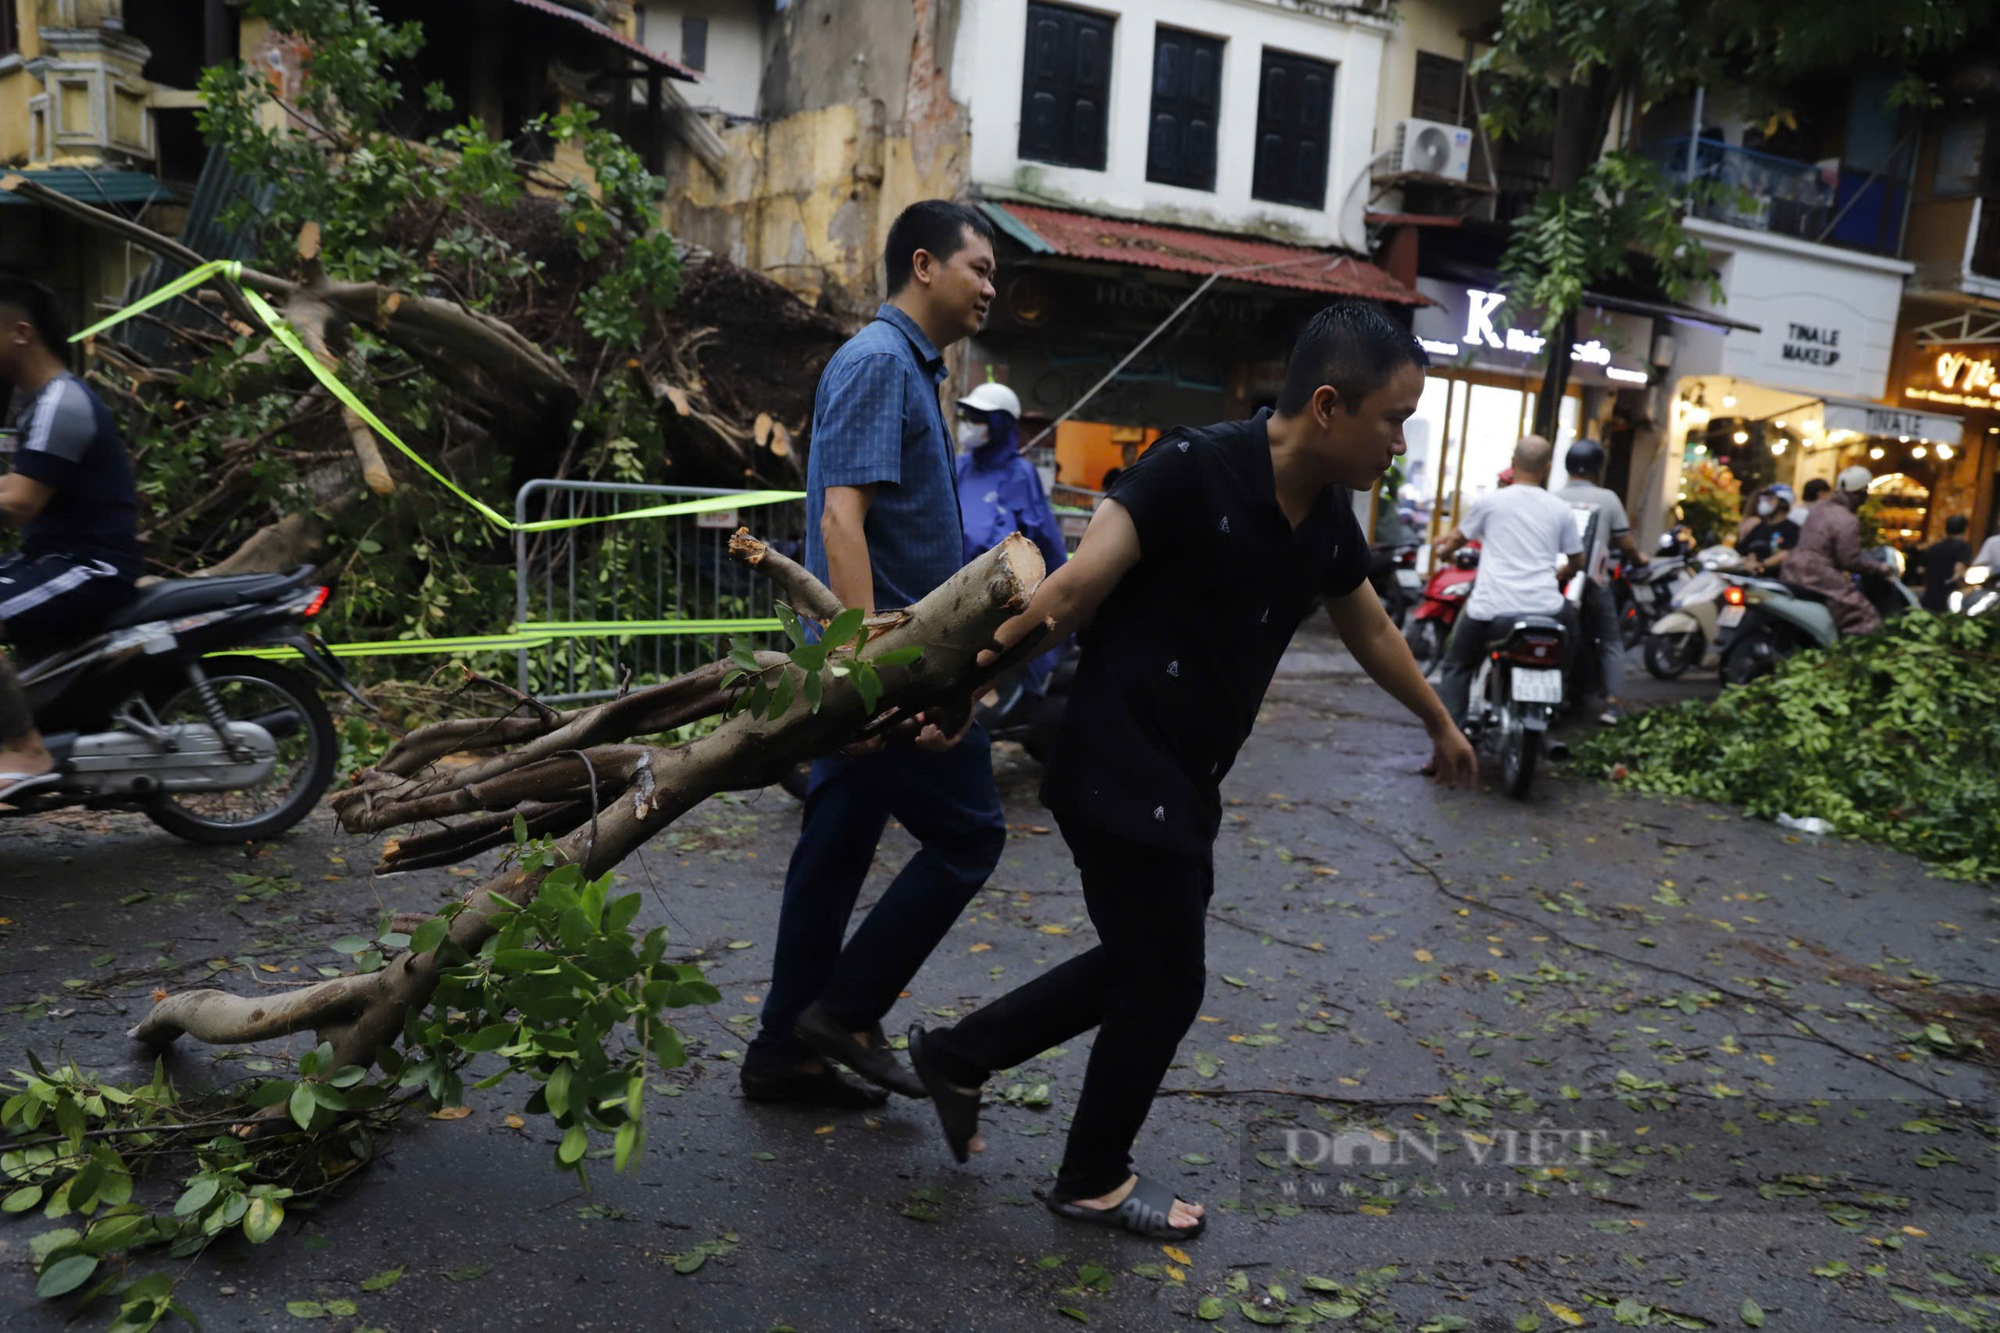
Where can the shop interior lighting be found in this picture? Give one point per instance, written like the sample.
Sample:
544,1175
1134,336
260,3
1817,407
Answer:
1876,452
1944,453
1902,439
1741,437
1729,400
1919,452
1777,446
1779,424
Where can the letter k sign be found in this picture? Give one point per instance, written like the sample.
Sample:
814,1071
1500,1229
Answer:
1479,316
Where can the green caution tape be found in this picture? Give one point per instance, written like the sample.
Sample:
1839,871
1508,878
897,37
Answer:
232,271
529,634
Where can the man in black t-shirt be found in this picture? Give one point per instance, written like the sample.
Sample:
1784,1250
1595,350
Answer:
70,491
1944,564
1191,578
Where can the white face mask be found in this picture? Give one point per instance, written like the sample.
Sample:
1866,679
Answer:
971,434
1767,506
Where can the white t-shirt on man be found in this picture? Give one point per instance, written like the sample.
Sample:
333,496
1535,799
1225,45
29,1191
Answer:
1523,534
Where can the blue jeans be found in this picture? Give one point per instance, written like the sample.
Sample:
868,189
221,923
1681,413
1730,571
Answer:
949,803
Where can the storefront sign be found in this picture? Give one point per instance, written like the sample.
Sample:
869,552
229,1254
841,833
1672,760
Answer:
1963,379
1876,422
1825,319
1468,321
1814,344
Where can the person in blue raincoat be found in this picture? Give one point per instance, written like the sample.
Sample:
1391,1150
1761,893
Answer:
999,492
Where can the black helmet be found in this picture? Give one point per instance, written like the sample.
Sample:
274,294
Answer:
1585,457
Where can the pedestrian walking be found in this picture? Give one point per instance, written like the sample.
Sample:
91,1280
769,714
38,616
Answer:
1191,578
882,530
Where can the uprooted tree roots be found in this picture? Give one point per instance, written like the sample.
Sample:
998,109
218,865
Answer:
581,778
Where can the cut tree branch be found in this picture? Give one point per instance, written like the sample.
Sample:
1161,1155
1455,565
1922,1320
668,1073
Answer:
633,790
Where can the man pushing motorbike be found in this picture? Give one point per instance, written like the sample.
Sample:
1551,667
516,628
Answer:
70,492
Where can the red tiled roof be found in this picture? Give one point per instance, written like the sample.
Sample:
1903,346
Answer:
1082,236
674,68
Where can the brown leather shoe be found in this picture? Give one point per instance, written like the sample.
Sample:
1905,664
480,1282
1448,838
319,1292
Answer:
826,1037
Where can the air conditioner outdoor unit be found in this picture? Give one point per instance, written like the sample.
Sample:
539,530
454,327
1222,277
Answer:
1433,149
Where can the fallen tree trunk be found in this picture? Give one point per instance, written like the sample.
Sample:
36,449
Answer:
580,766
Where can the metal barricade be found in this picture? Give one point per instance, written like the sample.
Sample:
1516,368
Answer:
1073,506
644,573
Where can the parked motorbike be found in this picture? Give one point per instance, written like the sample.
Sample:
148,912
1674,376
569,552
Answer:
1427,627
1517,691
1646,592
1392,568
155,712
1978,593
1686,636
1764,622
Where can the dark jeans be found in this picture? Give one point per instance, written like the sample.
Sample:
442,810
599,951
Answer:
1461,663
1140,988
949,804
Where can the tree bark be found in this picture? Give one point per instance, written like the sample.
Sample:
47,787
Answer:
633,791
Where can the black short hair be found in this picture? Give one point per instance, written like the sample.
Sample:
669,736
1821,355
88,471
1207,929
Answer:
39,305
1815,488
936,225
1351,345
1956,525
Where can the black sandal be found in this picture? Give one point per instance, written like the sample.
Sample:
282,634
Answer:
957,1109
1144,1213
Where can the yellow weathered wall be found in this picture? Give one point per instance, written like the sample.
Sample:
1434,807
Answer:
807,200
15,90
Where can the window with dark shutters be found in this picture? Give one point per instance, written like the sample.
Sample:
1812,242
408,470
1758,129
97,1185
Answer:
1187,95
1294,125
1065,86
1440,90
694,43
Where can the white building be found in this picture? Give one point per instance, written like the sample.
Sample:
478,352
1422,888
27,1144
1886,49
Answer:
1231,115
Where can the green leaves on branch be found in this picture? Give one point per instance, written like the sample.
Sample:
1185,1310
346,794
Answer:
1623,212
768,690
564,994
1893,736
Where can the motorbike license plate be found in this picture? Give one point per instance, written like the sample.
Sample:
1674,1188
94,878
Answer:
1731,616
1538,687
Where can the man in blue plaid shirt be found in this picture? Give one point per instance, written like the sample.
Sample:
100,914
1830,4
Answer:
882,530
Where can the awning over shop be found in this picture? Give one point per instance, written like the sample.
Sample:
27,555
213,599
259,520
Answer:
1050,231
95,185
1858,418
672,68
1629,302
1821,421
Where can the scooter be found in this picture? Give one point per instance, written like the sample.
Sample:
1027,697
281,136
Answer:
1978,593
1686,635
156,713
1764,622
1646,592
1517,691
1427,628
1391,570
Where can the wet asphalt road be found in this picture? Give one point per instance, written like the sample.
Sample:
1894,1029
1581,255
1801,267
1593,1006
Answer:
1461,968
